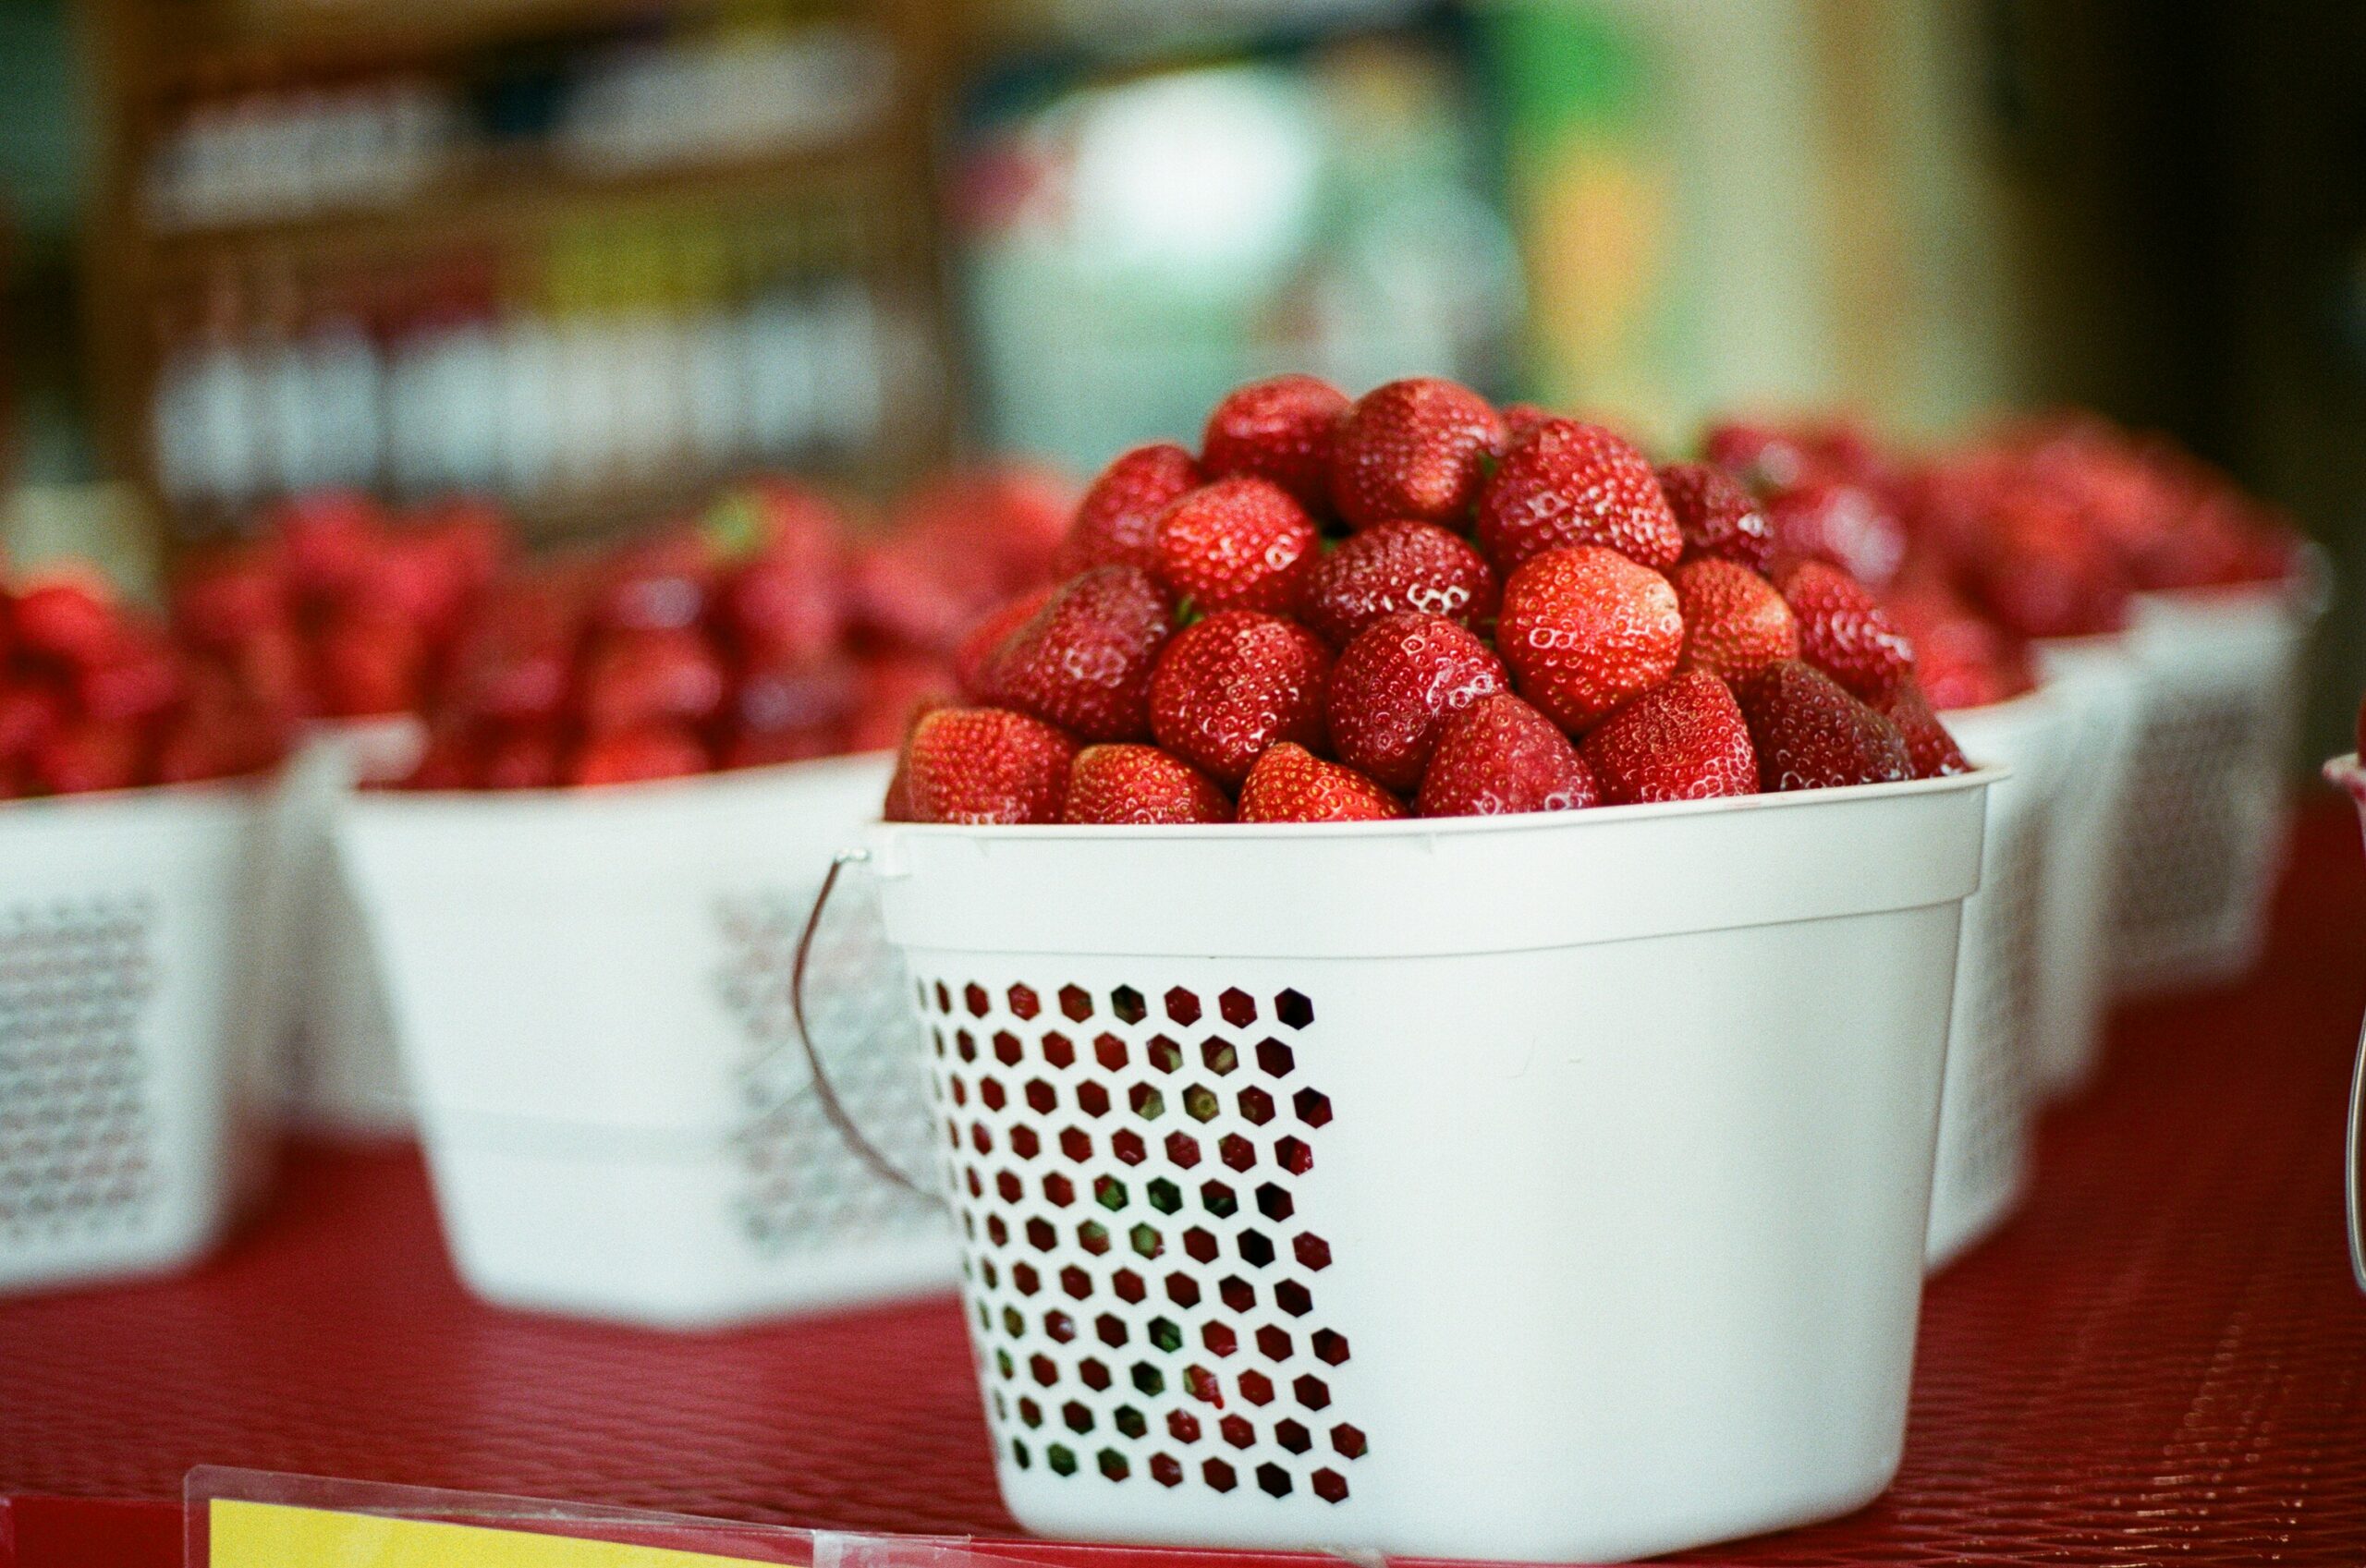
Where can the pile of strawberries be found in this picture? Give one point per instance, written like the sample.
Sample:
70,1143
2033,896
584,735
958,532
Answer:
1350,611
95,695
337,609
766,631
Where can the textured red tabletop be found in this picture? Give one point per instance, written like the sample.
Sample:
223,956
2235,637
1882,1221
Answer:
2162,1358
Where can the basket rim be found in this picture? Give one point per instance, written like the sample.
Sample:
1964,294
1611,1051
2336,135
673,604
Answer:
587,797
1594,817
243,788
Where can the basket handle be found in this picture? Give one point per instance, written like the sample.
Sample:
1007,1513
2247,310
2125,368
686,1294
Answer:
832,1107
2354,1175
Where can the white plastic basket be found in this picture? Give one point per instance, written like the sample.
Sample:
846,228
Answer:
2099,678
1991,1090
345,1075
134,1012
1539,1188
2209,795
591,991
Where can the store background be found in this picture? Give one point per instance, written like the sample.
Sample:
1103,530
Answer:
595,254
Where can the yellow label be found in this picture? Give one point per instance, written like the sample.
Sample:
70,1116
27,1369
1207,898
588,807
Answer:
270,1535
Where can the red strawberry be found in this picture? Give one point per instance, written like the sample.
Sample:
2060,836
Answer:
1500,756
1735,624
1929,746
639,756
780,608
1083,661
29,715
1566,484
453,759
1398,566
1685,740
1844,524
1717,516
657,584
796,708
86,755
1140,785
1521,417
1842,631
1237,544
898,807
69,621
527,758
141,679
1584,629
975,651
327,538
982,765
229,596
1236,684
1810,733
1116,522
891,689
1397,685
1415,449
1289,783
1760,457
1278,430
369,663
638,678
1961,658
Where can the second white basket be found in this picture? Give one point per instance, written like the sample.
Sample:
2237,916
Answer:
1539,1188
1991,1090
2210,792
591,990
2098,679
135,1004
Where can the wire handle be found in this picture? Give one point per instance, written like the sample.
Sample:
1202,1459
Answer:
2354,1177
832,1107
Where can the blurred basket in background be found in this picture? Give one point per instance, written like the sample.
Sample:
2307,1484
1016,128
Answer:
591,993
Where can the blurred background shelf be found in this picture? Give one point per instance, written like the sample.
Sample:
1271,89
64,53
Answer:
2162,1356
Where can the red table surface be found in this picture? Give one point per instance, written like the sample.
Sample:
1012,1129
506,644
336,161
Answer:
2162,1357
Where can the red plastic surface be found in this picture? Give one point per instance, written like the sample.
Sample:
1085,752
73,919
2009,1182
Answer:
2162,1358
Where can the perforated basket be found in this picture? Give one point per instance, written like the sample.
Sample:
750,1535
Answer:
1991,1086
1540,1188
2098,679
591,992
345,1073
133,1011
2209,799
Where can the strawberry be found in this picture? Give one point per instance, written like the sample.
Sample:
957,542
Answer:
778,608
67,620
1116,522
527,758
1929,746
82,756
1290,783
1761,456
141,679
369,663
1842,631
327,538
1279,430
1735,624
29,715
452,758
634,679
639,756
1569,484
1584,629
1684,740
229,596
1500,756
1237,545
658,584
1844,524
1083,661
793,708
1140,785
1398,566
1810,733
1417,450
891,689
1397,685
1961,658
978,646
1521,417
1236,684
898,806
1718,517
982,765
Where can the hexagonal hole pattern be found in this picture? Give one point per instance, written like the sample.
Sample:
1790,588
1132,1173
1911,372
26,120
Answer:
1153,1173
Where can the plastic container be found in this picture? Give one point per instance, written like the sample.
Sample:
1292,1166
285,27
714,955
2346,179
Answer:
1991,1089
345,1076
2209,800
2101,681
2346,773
591,992
1540,1188
135,1006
